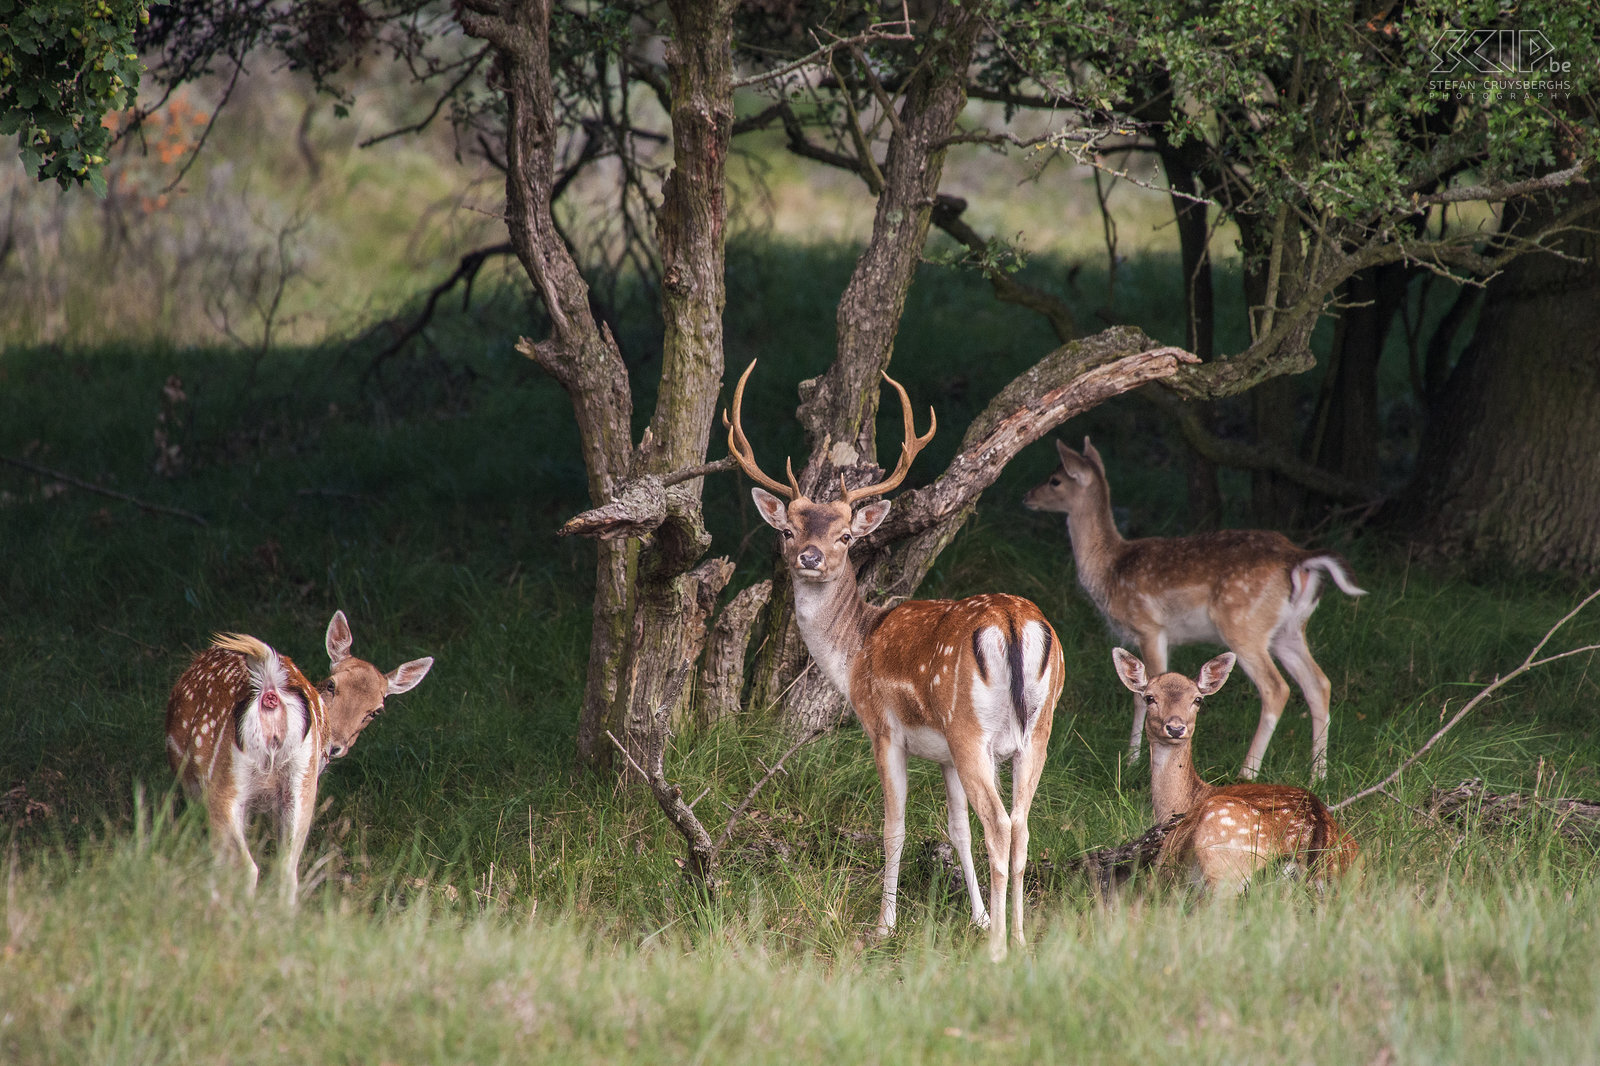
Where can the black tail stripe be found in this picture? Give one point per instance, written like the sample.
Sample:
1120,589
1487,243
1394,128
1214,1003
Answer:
239,710
1018,682
1044,656
306,697
977,654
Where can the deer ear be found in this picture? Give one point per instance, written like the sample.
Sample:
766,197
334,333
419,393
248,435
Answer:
408,676
1214,673
1130,669
1093,456
339,639
869,518
773,510
1066,454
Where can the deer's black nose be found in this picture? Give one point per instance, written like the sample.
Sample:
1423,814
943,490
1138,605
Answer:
1175,729
811,559
336,751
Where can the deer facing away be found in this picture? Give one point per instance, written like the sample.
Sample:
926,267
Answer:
1250,590
962,682
246,730
1227,834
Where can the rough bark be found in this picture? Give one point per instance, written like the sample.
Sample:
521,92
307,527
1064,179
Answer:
1510,464
669,627
1348,423
842,405
839,409
643,586
722,673
1199,306
579,354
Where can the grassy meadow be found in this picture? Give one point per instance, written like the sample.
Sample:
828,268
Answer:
471,897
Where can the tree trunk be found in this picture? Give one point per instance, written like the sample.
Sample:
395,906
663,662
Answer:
839,409
1510,462
1348,423
1199,305
675,602
649,608
1273,257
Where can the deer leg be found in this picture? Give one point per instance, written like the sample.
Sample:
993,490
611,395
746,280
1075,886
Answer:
1258,667
977,777
1026,767
294,824
891,758
227,819
1153,650
960,827
1291,650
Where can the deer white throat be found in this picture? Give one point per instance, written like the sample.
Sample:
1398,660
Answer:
830,615
1174,786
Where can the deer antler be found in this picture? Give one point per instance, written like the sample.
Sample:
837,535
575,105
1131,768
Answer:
739,446
908,450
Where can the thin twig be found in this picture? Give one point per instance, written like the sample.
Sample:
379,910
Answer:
1527,664
125,636
1500,191
88,486
727,462
738,812
872,33
636,767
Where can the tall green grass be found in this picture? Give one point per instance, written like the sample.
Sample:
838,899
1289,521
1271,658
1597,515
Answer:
476,898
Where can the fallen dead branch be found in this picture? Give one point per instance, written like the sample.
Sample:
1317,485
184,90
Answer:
89,486
1470,802
1531,662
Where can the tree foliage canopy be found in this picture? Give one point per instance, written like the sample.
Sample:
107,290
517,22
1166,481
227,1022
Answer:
63,65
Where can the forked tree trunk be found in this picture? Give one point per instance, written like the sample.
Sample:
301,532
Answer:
839,409
650,602
1510,463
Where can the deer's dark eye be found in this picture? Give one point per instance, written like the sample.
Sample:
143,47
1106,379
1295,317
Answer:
1055,481
788,534
844,538
1149,701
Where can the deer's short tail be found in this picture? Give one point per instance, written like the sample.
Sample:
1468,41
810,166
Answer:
274,702
1305,580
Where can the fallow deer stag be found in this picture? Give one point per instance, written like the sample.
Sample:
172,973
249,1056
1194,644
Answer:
1250,590
962,682
1228,834
246,730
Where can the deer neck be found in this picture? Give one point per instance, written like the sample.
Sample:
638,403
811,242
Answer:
1175,788
834,621
1096,544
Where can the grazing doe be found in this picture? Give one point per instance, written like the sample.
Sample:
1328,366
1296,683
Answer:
247,730
1250,590
1228,833
962,682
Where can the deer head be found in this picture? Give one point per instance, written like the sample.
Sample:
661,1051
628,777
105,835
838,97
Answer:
1076,486
354,692
1171,701
817,535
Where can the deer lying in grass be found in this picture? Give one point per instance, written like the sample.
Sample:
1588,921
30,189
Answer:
1250,590
247,730
962,682
1230,833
